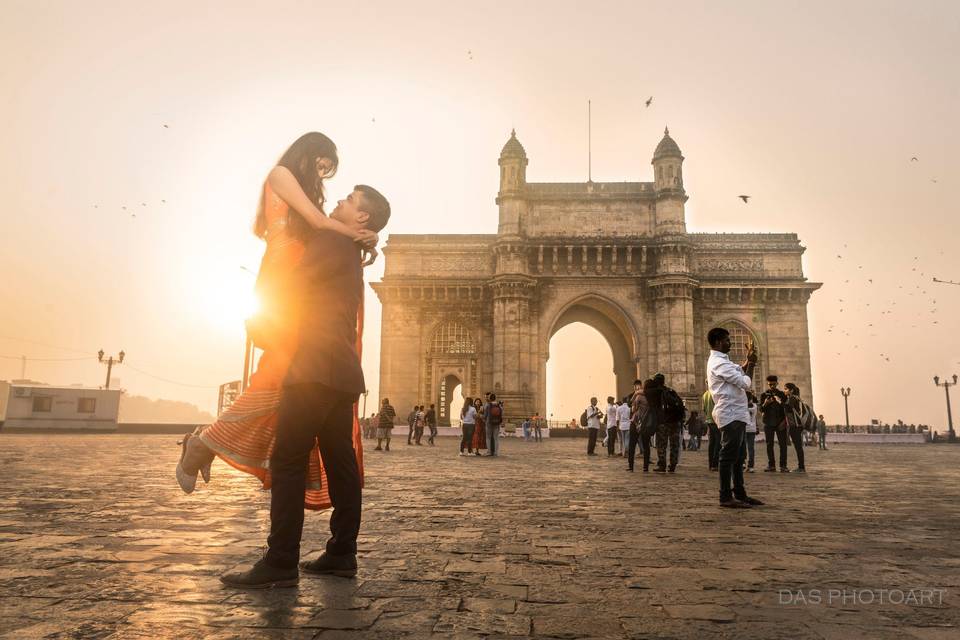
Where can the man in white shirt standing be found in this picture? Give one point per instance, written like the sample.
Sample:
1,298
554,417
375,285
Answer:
611,439
728,384
593,426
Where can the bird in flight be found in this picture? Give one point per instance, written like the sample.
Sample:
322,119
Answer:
470,54
649,100
744,198
913,159
166,126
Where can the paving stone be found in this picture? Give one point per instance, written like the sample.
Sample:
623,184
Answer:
484,623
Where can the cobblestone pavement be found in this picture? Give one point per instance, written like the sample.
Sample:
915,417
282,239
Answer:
98,542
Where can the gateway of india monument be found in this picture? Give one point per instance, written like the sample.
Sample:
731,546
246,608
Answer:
480,309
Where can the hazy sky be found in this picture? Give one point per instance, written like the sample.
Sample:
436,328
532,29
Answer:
813,108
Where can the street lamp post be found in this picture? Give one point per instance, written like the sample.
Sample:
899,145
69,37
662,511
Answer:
846,408
951,436
365,392
109,362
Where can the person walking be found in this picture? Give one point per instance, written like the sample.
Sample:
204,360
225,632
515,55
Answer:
713,433
672,413
773,413
431,419
728,383
385,425
418,423
412,423
593,417
821,433
537,428
493,414
468,424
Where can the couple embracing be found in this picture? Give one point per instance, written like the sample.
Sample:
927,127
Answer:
295,426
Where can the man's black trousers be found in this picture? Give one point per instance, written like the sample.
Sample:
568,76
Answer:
781,434
308,412
733,453
592,440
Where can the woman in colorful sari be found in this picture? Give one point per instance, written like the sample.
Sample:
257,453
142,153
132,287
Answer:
291,208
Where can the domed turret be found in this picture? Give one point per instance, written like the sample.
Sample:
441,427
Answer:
668,164
513,166
667,148
513,148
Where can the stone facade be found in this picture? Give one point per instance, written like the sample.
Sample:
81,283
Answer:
480,309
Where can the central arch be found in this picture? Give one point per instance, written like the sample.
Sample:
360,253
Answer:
613,323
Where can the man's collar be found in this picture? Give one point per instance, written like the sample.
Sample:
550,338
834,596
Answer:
719,354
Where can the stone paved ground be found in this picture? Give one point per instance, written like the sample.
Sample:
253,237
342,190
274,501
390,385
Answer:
98,542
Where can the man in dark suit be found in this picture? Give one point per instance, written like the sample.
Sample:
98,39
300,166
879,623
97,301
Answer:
322,384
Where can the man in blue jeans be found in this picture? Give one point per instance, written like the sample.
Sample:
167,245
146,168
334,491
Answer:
494,415
728,384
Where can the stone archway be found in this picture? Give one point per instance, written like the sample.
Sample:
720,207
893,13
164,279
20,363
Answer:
616,327
447,407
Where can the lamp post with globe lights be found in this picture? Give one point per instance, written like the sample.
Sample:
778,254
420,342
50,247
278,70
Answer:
951,436
109,362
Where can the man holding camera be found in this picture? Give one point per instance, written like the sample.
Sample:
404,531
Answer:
773,403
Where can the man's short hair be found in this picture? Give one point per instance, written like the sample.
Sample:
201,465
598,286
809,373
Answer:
376,207
773,378
610,399
386,401
493,397
638,381
716,335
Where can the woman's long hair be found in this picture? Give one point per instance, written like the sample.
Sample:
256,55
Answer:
467,403
301,159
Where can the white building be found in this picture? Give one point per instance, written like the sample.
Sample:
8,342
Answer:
27,405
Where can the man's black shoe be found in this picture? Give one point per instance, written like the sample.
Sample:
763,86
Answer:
734,504
344,566
784,470
672,468
660,469
769,469
630,469
753,502
801,470
646,468
261,576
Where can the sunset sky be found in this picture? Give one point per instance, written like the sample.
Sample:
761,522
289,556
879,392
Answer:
175,112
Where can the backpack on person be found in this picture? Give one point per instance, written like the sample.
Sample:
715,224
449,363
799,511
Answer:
673,408
808,419
583,418
495,413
